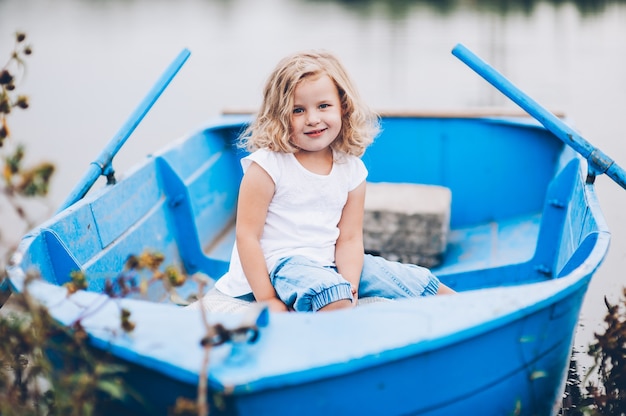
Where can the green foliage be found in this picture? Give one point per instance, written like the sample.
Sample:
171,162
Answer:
609,353
47,369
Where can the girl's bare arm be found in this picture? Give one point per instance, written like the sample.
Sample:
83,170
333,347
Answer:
349,247
255,194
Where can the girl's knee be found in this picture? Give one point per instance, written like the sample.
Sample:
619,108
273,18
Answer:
306,286
390,279
337,295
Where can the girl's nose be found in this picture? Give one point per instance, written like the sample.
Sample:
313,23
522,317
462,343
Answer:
312,119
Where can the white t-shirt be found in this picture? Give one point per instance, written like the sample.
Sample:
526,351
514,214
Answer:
303,215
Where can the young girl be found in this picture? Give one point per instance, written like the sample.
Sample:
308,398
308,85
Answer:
299,238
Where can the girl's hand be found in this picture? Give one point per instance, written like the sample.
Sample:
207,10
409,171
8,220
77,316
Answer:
355,294
276,305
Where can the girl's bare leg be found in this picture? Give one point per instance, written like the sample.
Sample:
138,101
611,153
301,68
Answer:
340,304
444,290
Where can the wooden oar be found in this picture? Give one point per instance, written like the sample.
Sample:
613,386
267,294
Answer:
597,161
102,164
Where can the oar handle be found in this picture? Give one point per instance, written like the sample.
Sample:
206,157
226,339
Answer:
102,164
597,161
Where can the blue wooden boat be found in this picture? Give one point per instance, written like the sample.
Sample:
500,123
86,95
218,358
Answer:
526,236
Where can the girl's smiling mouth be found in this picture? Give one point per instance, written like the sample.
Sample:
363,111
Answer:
315,133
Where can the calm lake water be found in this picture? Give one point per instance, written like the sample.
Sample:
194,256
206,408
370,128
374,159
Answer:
94,60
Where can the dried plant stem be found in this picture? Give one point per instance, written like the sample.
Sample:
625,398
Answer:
203,408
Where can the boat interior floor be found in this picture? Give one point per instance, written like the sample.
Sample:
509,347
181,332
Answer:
490,245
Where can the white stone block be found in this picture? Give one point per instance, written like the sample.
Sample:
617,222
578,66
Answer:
407,222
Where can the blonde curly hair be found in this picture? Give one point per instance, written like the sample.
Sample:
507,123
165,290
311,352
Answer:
271,128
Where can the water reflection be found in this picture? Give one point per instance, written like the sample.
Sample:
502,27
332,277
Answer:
399,9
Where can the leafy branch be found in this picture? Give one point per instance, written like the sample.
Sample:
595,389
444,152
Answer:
608,397
18,180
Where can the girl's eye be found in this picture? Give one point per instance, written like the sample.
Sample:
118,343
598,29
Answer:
324,105
297,110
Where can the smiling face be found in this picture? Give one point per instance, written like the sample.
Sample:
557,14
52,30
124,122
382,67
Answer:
316,114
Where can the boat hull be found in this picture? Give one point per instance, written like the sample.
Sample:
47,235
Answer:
526,236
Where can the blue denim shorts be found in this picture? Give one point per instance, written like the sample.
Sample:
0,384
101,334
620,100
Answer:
306,286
